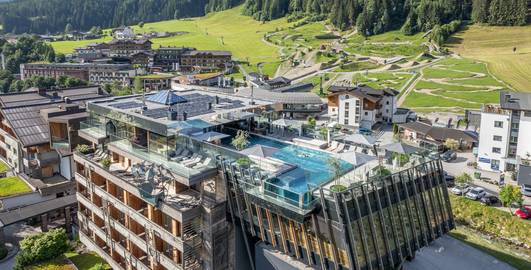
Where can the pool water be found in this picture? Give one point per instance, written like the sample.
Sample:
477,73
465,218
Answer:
312,165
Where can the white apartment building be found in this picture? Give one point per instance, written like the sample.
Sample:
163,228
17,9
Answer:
504,134
361,106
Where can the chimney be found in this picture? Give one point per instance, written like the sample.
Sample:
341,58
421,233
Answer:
217,100
210,106
67,100
55,95
172,115
185,116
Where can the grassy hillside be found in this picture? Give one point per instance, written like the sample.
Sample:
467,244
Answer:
494,46
454,84
226,30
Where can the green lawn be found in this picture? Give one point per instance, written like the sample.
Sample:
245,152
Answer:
12,185
497,249
86,261
380,80
56,264
454,83
304,35
389,44
226,30
3,167
357,66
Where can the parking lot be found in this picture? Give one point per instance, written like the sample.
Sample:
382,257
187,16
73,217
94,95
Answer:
459,166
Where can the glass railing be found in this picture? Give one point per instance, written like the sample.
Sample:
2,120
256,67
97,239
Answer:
60,143
178,167
94,129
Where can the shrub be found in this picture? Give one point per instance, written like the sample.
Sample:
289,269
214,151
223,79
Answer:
327,36
41,247
381,171
338,188
244,161
491,221
83,148
3,251
106,163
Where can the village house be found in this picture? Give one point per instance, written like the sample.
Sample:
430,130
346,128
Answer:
433,138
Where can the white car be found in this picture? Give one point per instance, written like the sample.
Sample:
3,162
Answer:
460,189
476,193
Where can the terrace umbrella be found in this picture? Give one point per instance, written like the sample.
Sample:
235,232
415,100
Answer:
402,148
286,123
260,151
360,139
357,159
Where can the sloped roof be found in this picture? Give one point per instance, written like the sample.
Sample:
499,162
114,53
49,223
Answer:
166,97
360,139
440,133
356,158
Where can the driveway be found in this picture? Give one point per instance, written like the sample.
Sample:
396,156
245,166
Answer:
447,253
459,167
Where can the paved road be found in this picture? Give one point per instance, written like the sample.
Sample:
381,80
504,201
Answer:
450,253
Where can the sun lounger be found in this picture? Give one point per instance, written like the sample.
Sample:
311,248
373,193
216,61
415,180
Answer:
333,146
192,161
340,148
203,164
184,155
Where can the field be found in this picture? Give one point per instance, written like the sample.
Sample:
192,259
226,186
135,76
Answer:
380,80
12,185
494,46
389,44
454,84
226,30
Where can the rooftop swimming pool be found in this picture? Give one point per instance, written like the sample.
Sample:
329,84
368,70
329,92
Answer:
312,170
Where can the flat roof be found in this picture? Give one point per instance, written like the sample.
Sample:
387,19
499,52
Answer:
285,98
191,108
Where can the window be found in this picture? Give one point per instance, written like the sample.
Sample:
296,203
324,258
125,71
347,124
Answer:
498,124
387,102
496,150
366,113
497,138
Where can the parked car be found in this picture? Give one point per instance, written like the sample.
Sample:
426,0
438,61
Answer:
450,179
489,199
523,212
526,190
449,156
476,193
460,189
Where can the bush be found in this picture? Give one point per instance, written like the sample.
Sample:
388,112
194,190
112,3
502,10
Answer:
106,163
3,251
381,171
244,162
83,149
41,247
338,188
491,221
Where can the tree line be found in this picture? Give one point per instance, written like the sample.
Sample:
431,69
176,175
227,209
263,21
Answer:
377,16
52,16
369,16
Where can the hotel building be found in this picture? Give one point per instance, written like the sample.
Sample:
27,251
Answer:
166,186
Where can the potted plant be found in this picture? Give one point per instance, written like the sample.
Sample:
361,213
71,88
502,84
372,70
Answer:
244,162
83,149
241,141
335,167
106,163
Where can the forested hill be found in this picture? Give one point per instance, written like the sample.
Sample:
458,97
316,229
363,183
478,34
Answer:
377,16
369,16
51,16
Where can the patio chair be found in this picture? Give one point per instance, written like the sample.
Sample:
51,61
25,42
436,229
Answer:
191,162
203,164
97,153
188,158
333,146
102,157
185,154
